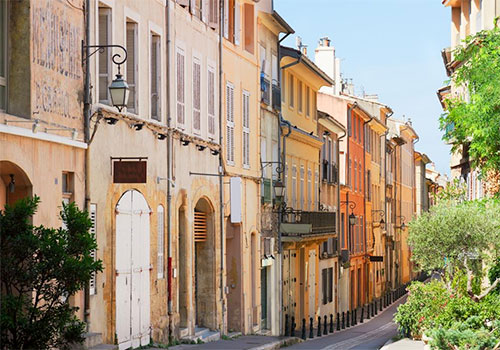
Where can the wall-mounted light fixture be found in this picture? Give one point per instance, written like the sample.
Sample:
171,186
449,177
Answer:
12,184
185,142
402,220
200,147
161,136
138,126
381,223
111,120
214,152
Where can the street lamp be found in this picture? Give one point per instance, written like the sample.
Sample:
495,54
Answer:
352,219
279,190
119,89
402,226
382,221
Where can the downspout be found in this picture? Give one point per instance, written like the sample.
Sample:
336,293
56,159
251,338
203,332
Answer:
221,172
339,248
169,175
349,118
86,120
388,115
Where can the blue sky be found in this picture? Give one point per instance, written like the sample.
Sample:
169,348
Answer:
388,47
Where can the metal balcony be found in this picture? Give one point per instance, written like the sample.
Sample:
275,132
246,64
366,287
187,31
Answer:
265,87
276,97
298,224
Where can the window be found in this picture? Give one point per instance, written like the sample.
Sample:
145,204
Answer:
105,56
316,190
479,22
232,25
308,101
309,189
196,95
180,91
299,96
360,178
211,101
283,84
213,14
349,174
274,69
314,111
246,129
354,130
330,284
342,231
196,8
93,232
230,123
302,175
324,285
369,185
330,160
132,66
355,175
67,180
249,27
161,241
290,91
155,77
294,186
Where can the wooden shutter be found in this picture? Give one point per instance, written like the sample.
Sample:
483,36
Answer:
213,13
196,95
155,77
237,22
161,241
211,101
131,66
324,285
93,231
104,57
183,2
180,87
246,129
200,226
226,19
230,123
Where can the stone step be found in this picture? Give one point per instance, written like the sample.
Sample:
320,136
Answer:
92,339
183,332
104,347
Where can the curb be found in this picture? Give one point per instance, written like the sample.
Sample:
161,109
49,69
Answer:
278,344
386,345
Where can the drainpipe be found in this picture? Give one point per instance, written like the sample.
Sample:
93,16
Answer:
169,145
221,172
339,248
86,120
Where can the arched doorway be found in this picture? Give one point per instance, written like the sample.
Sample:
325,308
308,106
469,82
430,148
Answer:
132,270
14,183
204,265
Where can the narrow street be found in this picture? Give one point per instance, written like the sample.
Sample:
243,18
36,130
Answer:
372,334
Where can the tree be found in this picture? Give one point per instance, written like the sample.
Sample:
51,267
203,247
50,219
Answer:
41,268
473,116
458,236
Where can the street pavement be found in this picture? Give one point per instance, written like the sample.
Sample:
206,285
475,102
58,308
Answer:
370,335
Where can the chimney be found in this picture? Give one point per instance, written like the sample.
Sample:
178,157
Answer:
324,42
304,49
298,42
326,61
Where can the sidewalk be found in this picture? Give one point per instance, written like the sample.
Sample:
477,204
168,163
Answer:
405,344
246,342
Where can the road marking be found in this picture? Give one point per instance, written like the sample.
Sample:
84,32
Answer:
350,343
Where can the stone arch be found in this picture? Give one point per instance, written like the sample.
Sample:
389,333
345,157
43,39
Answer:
14,183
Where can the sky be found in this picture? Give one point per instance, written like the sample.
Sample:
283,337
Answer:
387,47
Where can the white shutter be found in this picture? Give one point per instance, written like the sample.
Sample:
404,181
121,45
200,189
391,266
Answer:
196,95
93,231
104,57
309,189
205,10
131,66
237,22
211,101
230,123
302,174
213,14
180,87
246,129
161,241
226,19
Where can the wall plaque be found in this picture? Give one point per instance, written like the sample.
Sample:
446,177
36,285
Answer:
132,172
376,258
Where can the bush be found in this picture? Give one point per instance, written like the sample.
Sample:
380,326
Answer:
41,268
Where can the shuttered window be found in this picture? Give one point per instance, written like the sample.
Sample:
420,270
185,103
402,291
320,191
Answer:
302,176
196,95
200,226
211,101
324,285
155,77
309,189
104,56
132,66
308,101
330,284
246,129
294,186
180,86
93,232
237,22
290,91
161,241
213,14
230,123
299,96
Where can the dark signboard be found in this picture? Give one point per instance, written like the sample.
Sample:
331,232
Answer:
376,258
131,172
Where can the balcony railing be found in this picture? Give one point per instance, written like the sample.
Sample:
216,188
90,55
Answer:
265,87
309,223
276,97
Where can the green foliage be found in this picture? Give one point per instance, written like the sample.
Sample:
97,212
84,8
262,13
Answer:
494,273
475,113
41,268
455,235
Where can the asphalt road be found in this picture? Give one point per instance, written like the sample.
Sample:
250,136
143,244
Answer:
371,335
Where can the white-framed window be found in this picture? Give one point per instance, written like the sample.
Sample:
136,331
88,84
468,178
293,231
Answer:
211,101
161,241
196,95
93,231
299,96
290,91
308,101
246,129
274,69
230,123
309,189
155,77
316,190
180,74
3,55
213,14
132,66
105,36
294,186
302,180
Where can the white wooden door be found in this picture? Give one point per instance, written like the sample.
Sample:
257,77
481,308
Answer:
132,268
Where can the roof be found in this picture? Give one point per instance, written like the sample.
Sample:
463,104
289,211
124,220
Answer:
276,21
290,52
331,123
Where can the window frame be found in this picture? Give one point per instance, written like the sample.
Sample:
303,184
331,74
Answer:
155,41
132,58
